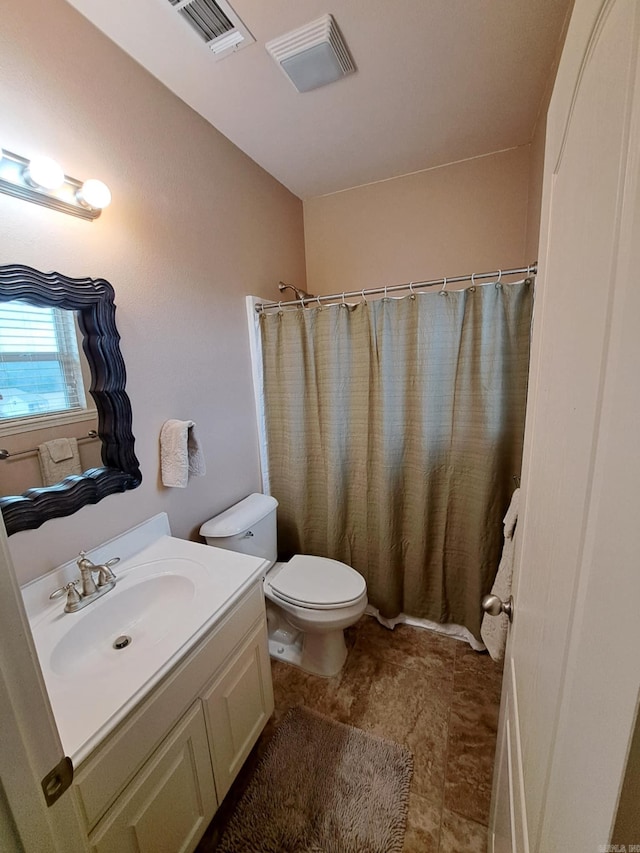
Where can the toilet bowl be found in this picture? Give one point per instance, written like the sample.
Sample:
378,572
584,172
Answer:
310,600
319,598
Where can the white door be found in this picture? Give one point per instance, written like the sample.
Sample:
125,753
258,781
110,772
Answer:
572,669
29,743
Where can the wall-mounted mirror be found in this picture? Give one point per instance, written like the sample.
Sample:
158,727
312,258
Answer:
62,386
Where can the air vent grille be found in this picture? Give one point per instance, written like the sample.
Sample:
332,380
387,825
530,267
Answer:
207,18
216,23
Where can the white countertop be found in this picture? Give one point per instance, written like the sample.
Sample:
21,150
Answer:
169,593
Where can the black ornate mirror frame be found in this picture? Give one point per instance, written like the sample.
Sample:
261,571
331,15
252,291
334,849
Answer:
93,300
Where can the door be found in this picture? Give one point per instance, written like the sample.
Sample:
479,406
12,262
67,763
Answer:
571,670
29,743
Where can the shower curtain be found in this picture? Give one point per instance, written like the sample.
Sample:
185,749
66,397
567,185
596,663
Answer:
394,432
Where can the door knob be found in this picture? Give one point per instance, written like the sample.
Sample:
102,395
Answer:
494,606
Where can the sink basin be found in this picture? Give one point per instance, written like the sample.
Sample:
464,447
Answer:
167,596
145,612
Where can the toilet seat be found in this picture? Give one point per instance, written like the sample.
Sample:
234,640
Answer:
318,583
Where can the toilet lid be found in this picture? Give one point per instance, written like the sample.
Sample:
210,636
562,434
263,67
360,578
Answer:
318,582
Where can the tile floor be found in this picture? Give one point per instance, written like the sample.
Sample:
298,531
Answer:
425,690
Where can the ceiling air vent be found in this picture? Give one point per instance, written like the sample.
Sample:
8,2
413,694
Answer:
216,23
313,55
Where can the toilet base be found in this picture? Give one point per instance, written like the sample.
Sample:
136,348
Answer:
286,645
324,654
321,654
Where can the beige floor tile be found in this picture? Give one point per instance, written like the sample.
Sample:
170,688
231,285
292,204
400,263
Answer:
476,671
430,653
467,789
427,691
473,724
423,826
459,835
413,712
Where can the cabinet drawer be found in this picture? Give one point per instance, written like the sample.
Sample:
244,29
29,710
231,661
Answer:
170,802
105,773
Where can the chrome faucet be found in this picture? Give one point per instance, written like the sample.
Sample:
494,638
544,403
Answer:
89,590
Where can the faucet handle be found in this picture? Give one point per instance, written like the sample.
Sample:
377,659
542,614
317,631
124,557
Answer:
105,575
73,596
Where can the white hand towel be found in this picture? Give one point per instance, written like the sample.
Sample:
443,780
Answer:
180,453
58,459
494,628
60,449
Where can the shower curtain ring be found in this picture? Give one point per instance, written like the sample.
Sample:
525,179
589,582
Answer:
319,303
444,286
364,298
343,303
473,283
499,279
411,293
280,312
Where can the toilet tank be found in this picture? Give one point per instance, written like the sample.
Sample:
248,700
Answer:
248,526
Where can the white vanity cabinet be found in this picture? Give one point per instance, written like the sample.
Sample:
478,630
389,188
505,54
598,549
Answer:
154,783
169,802
236,710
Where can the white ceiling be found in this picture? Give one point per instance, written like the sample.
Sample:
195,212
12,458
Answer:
437,81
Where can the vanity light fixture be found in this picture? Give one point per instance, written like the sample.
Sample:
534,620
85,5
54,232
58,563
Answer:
45,173
42,181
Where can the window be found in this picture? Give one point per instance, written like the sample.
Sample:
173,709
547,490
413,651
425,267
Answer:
40,371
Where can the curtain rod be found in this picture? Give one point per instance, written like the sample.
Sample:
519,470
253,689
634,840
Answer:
532,269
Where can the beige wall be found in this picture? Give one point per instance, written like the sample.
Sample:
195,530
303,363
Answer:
462,218
536,167
193,227
534,203
627,823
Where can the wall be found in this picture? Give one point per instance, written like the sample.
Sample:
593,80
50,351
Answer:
194,226
626,830
21,471
534,201
456,219
537,149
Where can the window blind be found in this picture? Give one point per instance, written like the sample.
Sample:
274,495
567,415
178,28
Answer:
39,361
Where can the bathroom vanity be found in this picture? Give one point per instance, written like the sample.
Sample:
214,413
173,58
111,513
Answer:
157,730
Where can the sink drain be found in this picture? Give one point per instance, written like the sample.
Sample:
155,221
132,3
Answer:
121,642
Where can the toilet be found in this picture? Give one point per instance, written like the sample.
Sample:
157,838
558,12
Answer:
310,600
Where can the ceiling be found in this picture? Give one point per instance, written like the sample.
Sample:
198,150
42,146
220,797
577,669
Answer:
437,81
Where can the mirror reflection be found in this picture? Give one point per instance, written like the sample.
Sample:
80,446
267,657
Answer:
65,417
48,423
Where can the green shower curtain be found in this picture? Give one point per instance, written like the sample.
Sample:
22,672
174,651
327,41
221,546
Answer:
394,432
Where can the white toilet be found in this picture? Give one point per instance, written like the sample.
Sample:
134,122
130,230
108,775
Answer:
310,600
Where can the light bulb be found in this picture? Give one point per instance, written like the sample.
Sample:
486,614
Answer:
44,172
95,194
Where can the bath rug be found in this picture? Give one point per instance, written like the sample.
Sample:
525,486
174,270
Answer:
323,787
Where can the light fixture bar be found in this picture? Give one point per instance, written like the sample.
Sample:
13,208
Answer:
64,199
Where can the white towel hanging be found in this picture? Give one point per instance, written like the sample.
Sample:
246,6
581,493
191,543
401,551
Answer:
494,628
58,459
180,453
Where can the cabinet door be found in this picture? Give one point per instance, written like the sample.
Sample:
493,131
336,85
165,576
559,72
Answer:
167,806
238,705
